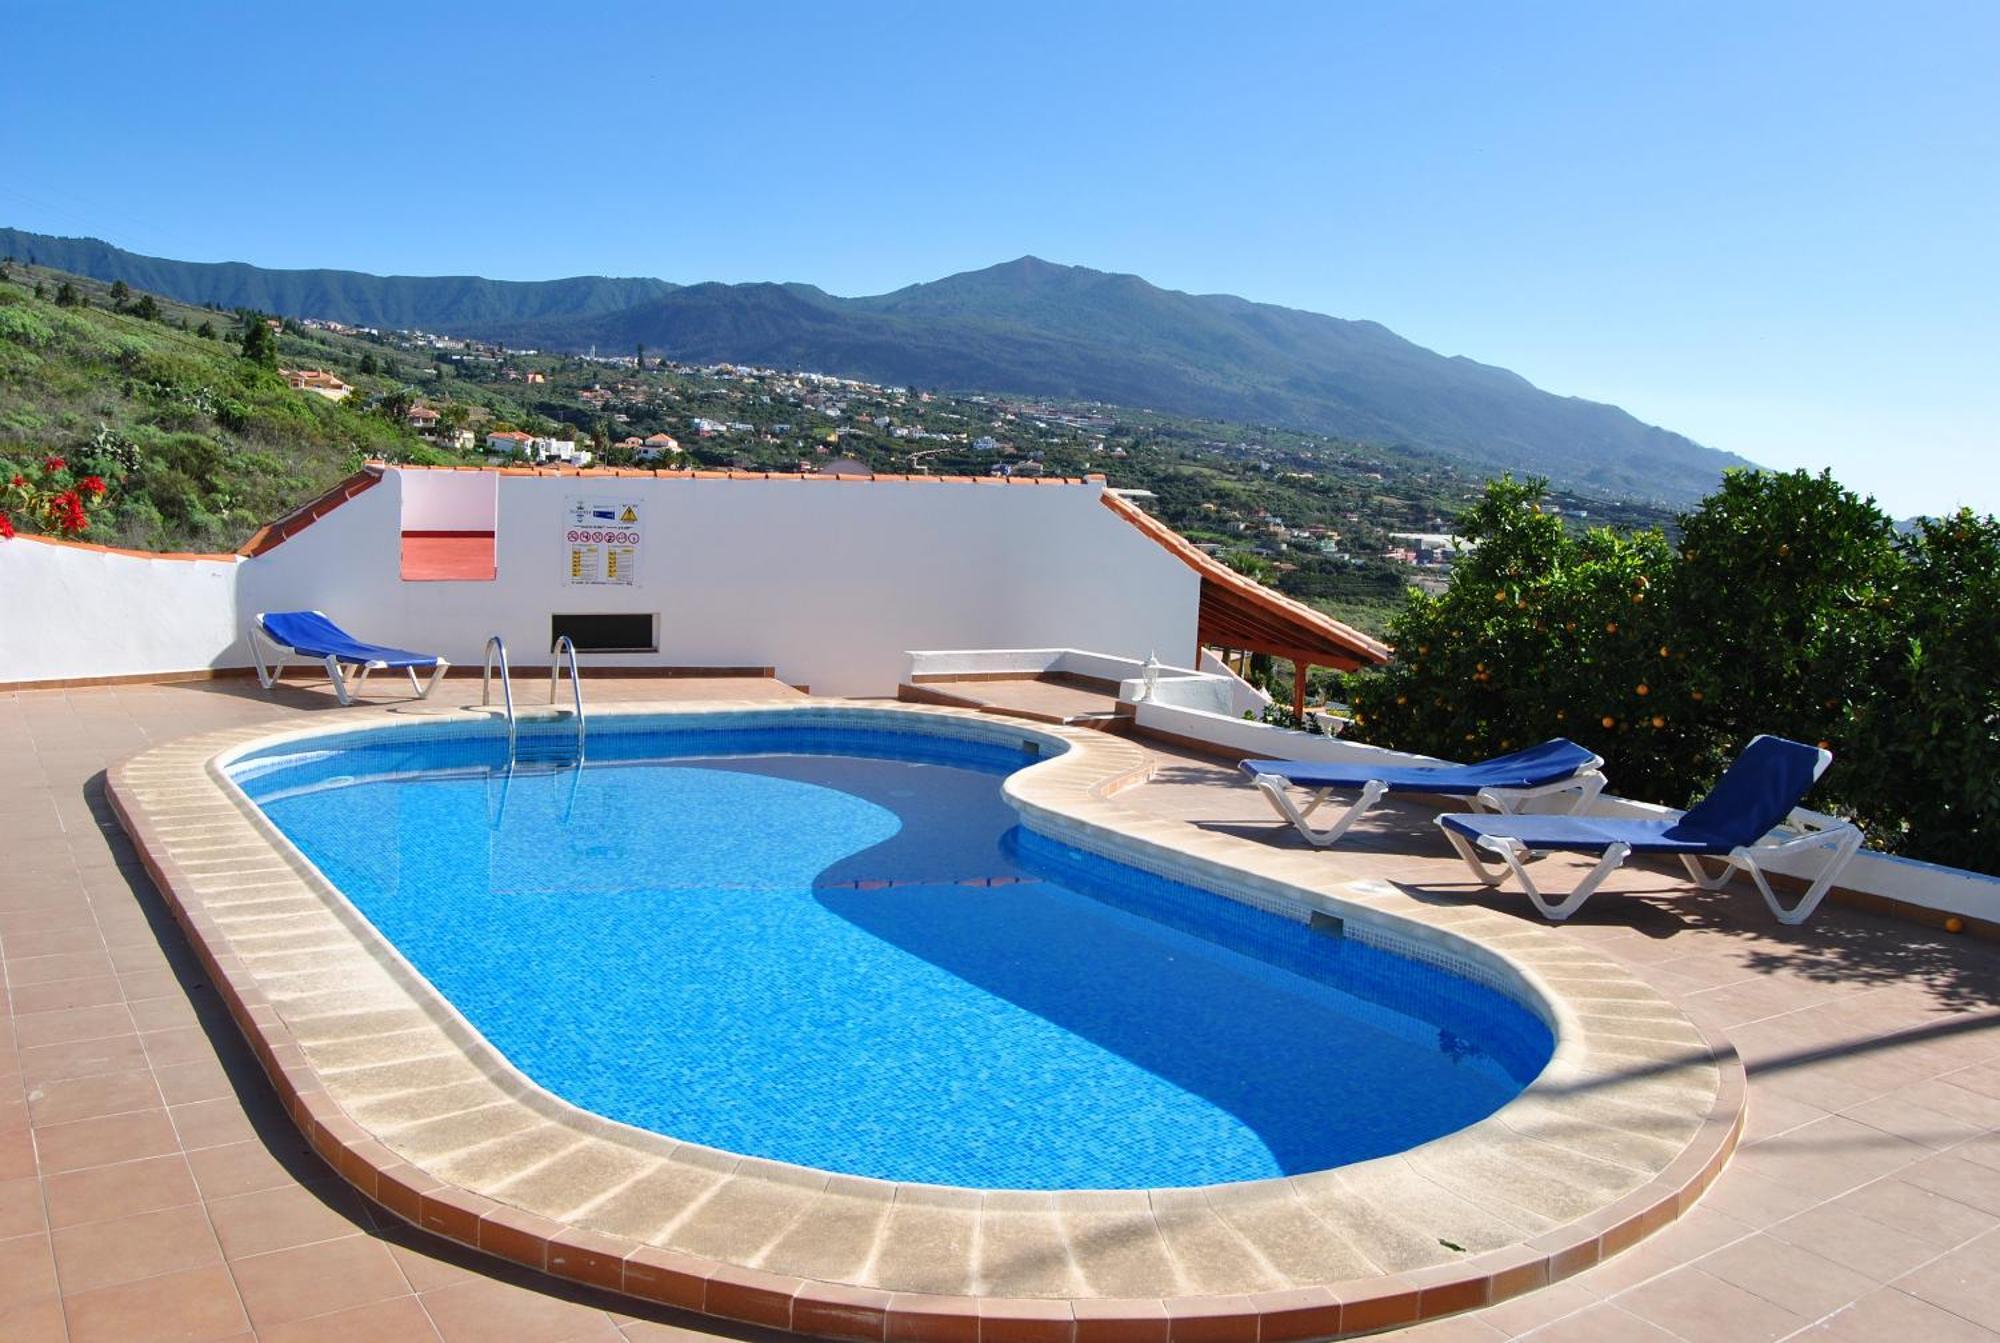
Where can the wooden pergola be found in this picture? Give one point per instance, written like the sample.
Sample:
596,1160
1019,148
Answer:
1239,613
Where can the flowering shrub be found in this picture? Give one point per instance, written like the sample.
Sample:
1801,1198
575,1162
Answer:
50,499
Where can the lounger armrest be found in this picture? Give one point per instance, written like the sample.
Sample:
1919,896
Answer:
1803,829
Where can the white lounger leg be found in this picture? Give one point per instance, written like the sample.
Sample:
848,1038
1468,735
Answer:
437,675
1515,855
1486,875
267,675
1614,857
338,678
1273,789
1843,840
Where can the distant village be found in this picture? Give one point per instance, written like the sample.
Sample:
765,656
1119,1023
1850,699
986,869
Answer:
643,410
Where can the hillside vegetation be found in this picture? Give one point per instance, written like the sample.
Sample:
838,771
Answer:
1026,327
198,445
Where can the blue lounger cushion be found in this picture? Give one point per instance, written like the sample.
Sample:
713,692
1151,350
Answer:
1752,798
1740,821
311,634
1550,762
1586,834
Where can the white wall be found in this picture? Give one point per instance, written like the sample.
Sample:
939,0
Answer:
71,611
450,501
827,581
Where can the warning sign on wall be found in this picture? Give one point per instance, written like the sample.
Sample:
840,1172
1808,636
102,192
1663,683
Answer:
601,542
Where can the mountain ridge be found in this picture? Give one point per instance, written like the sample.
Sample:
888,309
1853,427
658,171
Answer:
1027,326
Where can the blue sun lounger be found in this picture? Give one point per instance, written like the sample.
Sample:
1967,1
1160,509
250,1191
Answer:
1502,783
1747,819
277,636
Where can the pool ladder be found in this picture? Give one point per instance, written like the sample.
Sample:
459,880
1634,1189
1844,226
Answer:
561,656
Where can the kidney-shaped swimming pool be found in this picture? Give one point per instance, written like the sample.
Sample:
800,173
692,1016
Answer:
837,947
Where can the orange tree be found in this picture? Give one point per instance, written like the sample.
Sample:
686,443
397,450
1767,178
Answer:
1541,633
1787,585
1925,744
1773,615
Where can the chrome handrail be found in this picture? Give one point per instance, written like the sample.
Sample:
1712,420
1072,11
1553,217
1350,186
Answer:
563,645
494,644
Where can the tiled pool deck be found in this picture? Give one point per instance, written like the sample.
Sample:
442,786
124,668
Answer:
150,1187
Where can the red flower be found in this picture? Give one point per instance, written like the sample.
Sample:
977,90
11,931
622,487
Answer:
93,485
54,464
19,481
6,527
65,513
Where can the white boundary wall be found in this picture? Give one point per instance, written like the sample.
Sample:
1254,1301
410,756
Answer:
68,612
827,581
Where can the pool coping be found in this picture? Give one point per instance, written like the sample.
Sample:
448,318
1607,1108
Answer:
220,865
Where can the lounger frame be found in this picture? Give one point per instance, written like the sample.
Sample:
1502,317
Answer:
1586,784
1803,830
270,658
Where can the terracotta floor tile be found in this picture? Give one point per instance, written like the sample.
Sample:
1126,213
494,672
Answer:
125,1249
38,998
398,1320
245,1167
17,1155
37,1322
1802,1282
1934,1218
1872,1248
1965,1282
200,1080
482,1311
101,1142
21,1208
91,1097
1891,1316
286,1216
31,970
178,1308
178,1044
211,1123
1604,1323
146,1185
1694,1305
82,1058
317,1279
73,1024
27,1270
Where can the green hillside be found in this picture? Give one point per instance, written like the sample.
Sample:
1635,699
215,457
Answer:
1026,327
198,445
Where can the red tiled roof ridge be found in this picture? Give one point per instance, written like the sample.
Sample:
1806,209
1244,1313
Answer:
302,517
1215,571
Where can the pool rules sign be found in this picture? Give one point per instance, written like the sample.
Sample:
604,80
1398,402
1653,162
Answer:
601,542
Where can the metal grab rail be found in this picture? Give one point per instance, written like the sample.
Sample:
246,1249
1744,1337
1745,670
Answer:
563,645
496,645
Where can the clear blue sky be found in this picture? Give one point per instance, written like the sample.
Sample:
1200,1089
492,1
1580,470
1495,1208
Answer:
1772,227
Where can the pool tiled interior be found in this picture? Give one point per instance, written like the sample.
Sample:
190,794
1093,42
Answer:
152,1186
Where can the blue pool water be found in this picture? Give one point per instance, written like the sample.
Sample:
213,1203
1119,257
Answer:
836,948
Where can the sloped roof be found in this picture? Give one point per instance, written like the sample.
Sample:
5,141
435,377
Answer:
1239,612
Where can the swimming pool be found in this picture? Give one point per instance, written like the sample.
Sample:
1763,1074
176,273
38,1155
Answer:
836,947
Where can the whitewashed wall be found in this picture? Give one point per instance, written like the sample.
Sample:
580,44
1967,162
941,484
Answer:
828,582
69,612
